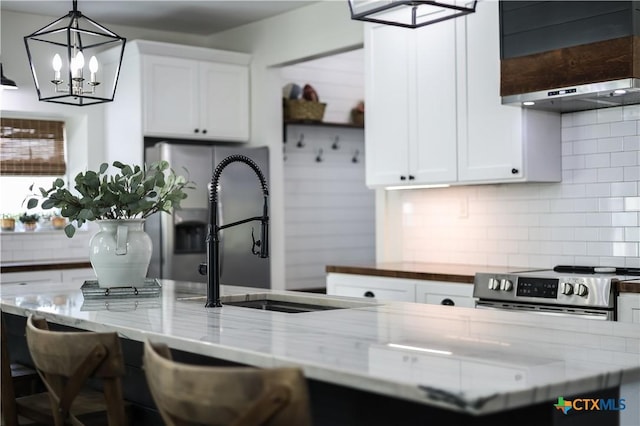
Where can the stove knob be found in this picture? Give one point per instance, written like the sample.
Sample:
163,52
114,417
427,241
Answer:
506,285
582,290
567,288
494,284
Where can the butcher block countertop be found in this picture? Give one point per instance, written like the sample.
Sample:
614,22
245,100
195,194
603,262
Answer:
464,360
444,272
456,273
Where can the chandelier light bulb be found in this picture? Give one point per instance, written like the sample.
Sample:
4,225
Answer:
80,60
93,64
57,63
57,66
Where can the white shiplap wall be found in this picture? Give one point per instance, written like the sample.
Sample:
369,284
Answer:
329,212
591,218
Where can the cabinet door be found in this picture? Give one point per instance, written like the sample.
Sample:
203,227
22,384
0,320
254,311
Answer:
224,101
170,97
387,72
445,293
432,150
381,288
629,307
490,134
31,277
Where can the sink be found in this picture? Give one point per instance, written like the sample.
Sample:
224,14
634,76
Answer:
288,303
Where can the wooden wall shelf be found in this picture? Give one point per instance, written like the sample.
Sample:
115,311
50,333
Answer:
316,124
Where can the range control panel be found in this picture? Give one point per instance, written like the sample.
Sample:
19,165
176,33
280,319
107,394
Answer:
547,287
537,287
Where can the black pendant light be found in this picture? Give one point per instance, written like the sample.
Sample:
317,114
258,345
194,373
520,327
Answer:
7,83
408,13
74,60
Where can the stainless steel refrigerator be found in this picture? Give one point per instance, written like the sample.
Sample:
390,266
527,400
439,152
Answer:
179,239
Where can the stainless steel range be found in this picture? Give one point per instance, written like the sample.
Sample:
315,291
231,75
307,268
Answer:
588,292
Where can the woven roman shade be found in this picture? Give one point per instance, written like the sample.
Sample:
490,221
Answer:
31,147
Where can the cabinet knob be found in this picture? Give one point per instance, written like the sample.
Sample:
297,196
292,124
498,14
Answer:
196,131
447,302
515,171
369,294
412,177
403,177
204,131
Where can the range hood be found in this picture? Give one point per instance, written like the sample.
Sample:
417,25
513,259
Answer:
568,56
581,97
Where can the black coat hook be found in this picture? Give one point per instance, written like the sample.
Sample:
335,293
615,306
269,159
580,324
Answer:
355,156
300,143
335,143
319,156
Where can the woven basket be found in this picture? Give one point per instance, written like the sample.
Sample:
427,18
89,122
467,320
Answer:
295,109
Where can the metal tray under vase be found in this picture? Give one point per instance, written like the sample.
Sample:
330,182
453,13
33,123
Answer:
91,290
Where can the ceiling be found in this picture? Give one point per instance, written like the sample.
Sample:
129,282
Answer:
202,17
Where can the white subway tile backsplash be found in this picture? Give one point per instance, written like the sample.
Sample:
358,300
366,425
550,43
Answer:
625,249
632,203
611,234
622,159
632,233
585,234
594,161
585,146
587,117
631,112
631,174
631,143
598,219
624,189
611,174
623,128
609,115
624,219
610,204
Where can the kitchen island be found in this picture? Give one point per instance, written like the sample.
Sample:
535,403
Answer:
373,362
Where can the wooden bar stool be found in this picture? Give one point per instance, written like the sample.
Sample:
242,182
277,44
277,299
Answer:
66,360
237,396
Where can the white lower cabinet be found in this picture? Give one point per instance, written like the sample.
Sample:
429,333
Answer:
30,277
629,307
49,276
381,288
400,289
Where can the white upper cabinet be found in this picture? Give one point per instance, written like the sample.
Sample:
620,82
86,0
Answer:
174,91
195,99
411,106
434,113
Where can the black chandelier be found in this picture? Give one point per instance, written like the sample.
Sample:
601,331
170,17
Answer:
409,13
60,53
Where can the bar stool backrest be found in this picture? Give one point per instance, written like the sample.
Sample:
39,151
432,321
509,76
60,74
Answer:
239,396
66,360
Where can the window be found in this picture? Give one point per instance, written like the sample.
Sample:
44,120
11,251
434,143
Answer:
31,147
31,153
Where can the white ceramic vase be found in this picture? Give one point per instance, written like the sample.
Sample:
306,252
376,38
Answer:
120,253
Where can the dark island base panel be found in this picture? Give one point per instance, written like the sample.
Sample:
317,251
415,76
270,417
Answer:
332,405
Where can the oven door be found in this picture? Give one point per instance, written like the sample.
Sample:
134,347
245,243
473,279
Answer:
559,311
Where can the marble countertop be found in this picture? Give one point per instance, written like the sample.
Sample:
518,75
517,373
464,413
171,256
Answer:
467,360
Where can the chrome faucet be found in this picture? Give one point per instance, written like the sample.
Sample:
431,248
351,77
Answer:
260,247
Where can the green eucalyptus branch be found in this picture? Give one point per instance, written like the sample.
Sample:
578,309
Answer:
133,192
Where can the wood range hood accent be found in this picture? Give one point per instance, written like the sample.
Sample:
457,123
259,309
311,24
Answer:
575,78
